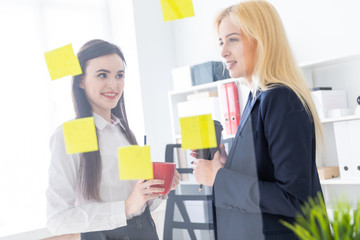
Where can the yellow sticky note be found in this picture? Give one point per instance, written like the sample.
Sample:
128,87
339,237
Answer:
62,62
176,9
80,135
135,162
198,132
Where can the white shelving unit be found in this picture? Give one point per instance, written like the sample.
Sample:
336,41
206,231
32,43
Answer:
340,119
339,181
342,73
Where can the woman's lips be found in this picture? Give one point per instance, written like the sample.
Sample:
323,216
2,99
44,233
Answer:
230,64
110,95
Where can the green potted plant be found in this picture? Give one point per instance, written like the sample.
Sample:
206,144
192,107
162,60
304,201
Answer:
313,222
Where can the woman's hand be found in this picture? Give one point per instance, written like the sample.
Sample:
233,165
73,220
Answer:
223,155
176,180
142,193
205,170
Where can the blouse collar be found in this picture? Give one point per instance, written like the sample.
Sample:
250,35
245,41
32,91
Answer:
101,123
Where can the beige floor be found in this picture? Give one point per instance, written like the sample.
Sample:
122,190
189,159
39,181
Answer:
65,237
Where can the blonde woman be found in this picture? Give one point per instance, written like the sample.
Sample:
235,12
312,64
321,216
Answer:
270,170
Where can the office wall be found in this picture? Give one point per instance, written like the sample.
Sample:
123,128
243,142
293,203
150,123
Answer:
317,29
122,27
156,59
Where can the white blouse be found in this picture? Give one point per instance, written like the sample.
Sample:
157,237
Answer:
67,211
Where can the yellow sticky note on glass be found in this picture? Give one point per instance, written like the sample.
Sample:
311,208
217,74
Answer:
135,162
62,62
176,9
80,136
198,132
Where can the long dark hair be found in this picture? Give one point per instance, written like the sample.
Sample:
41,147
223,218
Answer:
90,162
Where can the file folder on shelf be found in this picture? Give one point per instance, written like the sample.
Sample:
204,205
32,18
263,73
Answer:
225,105
230,101
347,145
234,109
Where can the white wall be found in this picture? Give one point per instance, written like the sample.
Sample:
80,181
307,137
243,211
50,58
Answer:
194,39
156,59
122,27
317,29
321,29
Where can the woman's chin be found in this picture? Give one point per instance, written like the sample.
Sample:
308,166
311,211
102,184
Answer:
234,75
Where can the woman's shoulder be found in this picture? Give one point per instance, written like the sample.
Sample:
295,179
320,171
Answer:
278,90
57,146
57,137
280,95
58,132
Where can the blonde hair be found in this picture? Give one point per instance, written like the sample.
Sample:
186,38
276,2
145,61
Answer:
275,63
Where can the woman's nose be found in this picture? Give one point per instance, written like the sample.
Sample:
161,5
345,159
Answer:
113,82
225,51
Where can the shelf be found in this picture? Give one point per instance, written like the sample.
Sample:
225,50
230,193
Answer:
203,86
339,181
225,137
332,181
339,119
326,62
189,182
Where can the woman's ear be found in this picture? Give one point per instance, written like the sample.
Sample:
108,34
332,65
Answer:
81,83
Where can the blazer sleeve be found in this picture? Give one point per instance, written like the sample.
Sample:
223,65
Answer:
289,133
63,215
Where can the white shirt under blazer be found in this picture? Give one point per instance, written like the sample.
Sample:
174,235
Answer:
67,210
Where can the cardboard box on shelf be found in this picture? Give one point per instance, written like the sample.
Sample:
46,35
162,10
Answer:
201,95
328,172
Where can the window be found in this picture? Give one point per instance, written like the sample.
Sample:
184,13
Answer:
32,105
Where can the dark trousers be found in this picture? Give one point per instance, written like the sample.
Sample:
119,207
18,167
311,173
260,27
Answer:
138,228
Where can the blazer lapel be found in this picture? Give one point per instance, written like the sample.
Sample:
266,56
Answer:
247,112
244,118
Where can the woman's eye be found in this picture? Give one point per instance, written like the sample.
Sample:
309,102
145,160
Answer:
102,75
233,40
120,75
221,44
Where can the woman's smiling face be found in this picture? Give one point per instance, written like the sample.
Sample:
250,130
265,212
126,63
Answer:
237,50
103,83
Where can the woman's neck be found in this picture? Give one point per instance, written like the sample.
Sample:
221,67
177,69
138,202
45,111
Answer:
249,83
104,114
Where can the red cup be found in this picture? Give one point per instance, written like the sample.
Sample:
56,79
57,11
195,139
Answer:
164,171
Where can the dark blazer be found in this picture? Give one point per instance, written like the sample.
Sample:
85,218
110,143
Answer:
270,170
